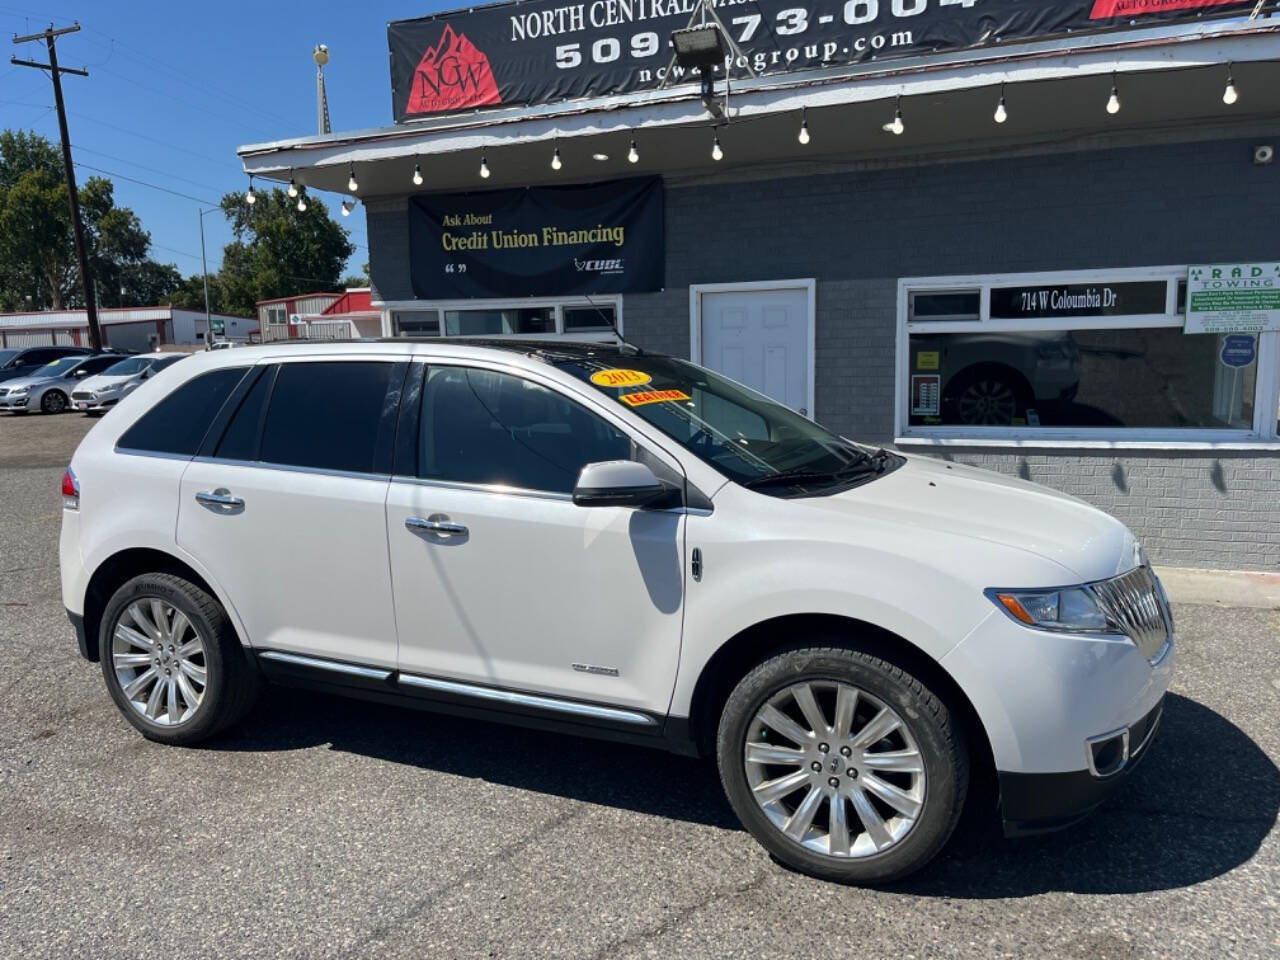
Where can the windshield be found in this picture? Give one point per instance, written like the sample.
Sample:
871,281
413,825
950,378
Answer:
126,368
6,356
56,367
754,440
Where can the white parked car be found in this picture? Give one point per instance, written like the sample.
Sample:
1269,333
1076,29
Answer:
108,388
614,543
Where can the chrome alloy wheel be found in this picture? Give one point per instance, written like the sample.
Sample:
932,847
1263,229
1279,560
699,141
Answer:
160,661
853,786
988,402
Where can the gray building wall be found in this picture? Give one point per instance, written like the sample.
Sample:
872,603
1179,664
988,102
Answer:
858,232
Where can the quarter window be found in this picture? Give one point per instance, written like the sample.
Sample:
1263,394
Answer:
325,415
485,427
179,422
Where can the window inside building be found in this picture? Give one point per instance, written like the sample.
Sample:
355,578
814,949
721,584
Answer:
415,323
595,318
276,313
1075,356
504,322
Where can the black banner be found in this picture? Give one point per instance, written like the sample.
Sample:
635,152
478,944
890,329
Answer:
1079,300
542,51
539,241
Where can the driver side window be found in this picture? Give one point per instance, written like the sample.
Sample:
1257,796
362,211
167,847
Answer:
485,427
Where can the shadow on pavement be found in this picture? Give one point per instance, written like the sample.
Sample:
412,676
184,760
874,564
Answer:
1200,805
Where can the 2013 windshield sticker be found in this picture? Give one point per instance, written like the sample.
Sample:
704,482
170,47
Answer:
620,378
653,396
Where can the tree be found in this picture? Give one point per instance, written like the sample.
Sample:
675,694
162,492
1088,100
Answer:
278,251
38,268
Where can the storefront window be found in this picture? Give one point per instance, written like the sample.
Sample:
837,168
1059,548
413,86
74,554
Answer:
582,318
415,323
589,318
1075,356
516,320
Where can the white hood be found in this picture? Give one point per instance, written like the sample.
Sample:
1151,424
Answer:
101,382
931,496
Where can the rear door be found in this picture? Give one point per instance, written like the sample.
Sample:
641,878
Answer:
509,584
286,507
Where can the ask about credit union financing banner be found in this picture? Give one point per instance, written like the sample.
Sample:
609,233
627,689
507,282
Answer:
539,241
544,51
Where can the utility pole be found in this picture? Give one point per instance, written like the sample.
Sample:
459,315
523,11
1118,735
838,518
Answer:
204,267
49,36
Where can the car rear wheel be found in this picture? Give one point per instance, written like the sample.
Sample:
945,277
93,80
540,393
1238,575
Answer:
842,765
55,401
172,661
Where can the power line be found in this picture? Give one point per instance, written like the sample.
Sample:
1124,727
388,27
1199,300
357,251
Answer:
145,183
163,173
174,96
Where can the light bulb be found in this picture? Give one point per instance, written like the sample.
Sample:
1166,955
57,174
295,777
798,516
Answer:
484,167
293,188
302,203
633,154
897,128
250,197
1001,113
417,175
1231,94
351,181
556,163
346,208
1113,105
804,131
716,152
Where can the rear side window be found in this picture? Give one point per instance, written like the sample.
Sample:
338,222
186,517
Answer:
240,442
481,426
326,415
178,423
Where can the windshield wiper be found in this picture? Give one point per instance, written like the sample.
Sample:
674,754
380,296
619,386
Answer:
874,464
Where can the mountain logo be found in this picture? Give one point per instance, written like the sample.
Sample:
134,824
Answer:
453,75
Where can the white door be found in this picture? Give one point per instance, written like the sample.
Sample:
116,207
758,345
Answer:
760,338
289,516
522,589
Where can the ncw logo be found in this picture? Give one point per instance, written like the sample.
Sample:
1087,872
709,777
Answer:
452,75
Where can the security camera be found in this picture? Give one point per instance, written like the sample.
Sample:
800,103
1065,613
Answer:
1263,154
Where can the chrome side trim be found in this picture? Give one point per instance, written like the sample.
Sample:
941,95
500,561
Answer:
348,668
1151,732
493,489
527,700
291,468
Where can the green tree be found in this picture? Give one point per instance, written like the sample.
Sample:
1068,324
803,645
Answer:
279,251
38,266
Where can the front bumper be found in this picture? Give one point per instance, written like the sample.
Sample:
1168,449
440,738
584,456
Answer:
14,403
90,405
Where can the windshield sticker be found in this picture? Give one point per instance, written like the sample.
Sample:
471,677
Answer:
620,378
653,396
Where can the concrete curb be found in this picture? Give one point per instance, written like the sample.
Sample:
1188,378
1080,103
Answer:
1224,588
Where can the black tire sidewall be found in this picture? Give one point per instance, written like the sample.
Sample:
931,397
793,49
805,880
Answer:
946,769
45,402
197,605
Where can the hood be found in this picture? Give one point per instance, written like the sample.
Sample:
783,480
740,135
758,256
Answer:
27,381
101,381
950,498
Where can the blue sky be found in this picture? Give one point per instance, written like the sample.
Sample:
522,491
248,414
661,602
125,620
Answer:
174,88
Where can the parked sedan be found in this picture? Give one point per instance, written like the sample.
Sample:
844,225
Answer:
18,362
49,388
108,388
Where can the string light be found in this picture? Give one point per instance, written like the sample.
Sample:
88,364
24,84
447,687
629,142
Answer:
484,166
716,152
803,136
250,197
293,187
633,155
1113,105
896,126
1231,94
417,175
302,201
347,207
556,162
351,180
1002,112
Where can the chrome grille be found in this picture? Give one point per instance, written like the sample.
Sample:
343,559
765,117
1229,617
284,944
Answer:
1136,604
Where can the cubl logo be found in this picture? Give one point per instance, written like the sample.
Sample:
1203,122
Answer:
452,75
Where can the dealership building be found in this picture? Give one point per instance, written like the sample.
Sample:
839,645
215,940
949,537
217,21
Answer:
1037,237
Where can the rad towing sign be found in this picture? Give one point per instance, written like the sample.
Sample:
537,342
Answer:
1233,298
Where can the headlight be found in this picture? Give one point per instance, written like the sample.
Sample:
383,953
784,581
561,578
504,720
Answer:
18,391
1066,609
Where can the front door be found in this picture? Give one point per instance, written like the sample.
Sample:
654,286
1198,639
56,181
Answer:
760,338
500,579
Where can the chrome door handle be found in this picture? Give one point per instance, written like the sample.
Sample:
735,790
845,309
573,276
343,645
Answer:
218,498
436,523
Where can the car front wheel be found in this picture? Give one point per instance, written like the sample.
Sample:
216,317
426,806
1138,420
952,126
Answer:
172,661
55,401
841,764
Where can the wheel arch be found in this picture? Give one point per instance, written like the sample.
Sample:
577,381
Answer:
743,651
121,567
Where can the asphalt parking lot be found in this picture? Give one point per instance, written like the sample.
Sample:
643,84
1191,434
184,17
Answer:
333,828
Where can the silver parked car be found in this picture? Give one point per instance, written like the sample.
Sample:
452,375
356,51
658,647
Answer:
48,389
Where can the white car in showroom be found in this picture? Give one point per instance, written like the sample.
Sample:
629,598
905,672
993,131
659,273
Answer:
113,384
609,542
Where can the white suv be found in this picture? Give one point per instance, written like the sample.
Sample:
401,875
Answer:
604,541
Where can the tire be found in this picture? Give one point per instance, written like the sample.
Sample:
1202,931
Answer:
187,710
55,401
990,395
902,843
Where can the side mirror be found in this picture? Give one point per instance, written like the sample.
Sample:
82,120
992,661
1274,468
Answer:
617,483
